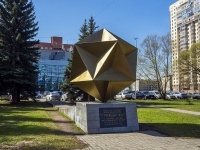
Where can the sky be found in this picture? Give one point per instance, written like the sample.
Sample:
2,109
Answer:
128,19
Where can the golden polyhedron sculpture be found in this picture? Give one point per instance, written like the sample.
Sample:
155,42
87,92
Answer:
103,65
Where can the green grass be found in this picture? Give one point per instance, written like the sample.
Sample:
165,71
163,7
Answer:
170,123
29,126
179,104
72,122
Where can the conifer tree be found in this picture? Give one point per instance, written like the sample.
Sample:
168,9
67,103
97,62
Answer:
18,56
92,26
66,85
87,29
83,30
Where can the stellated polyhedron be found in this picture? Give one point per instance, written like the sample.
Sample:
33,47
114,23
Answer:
103,65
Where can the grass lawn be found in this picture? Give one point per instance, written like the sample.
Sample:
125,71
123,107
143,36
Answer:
29,126
179,104
170,123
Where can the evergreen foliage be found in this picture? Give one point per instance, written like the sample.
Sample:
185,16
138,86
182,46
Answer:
92,26
66,85
83,30
18,56
87,29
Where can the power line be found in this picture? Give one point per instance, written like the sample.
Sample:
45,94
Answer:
73,31
104,8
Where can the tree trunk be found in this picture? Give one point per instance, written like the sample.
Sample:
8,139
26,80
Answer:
14,97
18,94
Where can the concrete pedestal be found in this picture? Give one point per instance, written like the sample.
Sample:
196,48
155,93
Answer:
96,117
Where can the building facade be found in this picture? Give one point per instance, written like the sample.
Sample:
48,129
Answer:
185,31
52,63
168,81
143,85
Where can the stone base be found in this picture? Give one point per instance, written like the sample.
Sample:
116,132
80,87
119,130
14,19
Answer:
96,117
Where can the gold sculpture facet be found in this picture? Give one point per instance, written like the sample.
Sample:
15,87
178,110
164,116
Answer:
103,65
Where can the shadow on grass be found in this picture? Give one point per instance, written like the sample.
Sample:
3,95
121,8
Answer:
173,130
15,130
21,106
12,118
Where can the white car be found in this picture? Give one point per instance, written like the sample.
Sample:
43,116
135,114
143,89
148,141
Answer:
38,96
64,97
5,97
170,96
119,96
79,98
53,96
178,95
156,93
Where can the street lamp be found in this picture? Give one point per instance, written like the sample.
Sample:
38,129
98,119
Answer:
136,38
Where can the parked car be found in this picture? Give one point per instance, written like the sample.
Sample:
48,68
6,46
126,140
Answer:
64,97
46,93
149,95
53,96
24,97
170,96
5,97
156,93
139,95
38,96
119,96
129,95
184,95
195,95
177,95
58,92
180,95
80,97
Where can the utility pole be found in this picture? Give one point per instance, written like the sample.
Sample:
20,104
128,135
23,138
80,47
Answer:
135,38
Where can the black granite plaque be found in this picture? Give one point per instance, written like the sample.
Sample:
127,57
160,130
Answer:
112,117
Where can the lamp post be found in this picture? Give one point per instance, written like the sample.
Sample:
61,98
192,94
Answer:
136,38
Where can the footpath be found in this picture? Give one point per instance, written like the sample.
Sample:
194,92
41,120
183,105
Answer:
173,109
141,140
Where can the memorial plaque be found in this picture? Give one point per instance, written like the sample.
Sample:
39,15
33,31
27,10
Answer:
112,117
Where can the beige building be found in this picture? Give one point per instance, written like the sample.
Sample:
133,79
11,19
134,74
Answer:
168,81
185,30
143,85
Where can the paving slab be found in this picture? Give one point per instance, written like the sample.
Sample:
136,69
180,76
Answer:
143,140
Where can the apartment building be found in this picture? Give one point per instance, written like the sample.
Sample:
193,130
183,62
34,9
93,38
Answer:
185,31
52,63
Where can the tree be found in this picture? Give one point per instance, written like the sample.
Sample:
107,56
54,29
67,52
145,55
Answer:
189,61
86,30
167,52
92,26
66,84
18,56
154,62
83,30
